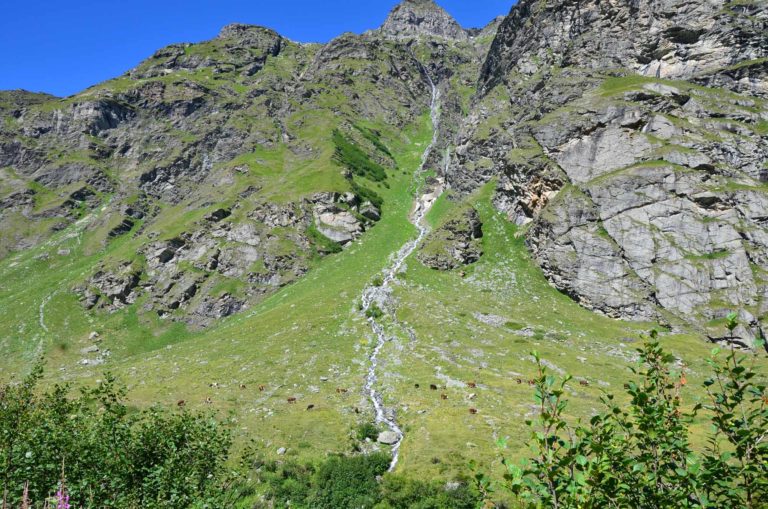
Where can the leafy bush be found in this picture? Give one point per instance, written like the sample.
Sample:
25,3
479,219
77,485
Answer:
367,430
367,194
399,492
353,157
374,311
348,481
374,137
638,454
109,457
358,482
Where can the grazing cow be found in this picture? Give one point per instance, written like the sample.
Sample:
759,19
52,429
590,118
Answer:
291,400
416,385
583,383
243,387
432,387
261,388
208,401
531,382
518,381
471,385
181,403
339,390
443,396
473,411
310,407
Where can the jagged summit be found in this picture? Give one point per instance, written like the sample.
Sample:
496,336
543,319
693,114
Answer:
413,18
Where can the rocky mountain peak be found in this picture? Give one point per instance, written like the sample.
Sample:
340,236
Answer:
413,18
248,34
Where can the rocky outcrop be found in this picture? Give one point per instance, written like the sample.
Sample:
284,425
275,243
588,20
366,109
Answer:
414,18
638,193
671,39
455,243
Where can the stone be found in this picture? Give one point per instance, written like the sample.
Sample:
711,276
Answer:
388,438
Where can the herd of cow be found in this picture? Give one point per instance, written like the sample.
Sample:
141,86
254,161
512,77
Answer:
339,390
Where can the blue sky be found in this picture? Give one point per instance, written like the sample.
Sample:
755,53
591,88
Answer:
63,46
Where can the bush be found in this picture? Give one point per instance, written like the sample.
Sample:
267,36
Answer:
638,454
106,455
353,157
399,492
367,430
374,311
338,482
348,481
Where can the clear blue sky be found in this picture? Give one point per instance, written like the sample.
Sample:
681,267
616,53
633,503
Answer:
64,46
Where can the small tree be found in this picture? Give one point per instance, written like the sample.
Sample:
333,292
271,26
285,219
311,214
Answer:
638,454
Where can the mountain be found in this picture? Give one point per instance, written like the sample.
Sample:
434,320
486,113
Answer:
250,220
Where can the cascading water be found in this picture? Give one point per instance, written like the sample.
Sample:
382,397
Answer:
374,293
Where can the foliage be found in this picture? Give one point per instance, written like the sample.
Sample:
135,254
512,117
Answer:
638,454
375,138
367,194
351,156
399,492
109,456
356,482
374,311
367,430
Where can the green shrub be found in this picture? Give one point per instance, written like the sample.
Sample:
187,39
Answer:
367,194
367,430
338,482
638,454
355,159
107,455
374,311
375,138
348,482
398,492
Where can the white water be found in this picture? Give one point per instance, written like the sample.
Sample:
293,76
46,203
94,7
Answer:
374,293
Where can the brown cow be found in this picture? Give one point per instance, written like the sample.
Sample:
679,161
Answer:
261,388
471,385
432,387
181,403
310,407
518,381
208,401
443,396
291,400
473,411
531,382
339,390
583,383
243,387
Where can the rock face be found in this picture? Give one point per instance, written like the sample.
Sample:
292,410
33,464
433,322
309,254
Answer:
455,243
414,18
640,195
